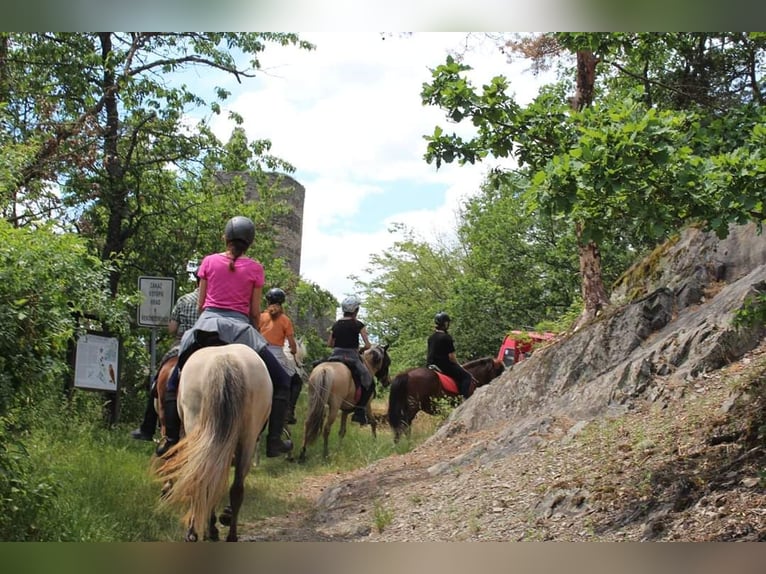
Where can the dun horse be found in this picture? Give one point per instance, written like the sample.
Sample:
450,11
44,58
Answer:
332,386
418,390
224,399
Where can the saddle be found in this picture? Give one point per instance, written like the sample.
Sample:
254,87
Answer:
449,386
354,374
201,339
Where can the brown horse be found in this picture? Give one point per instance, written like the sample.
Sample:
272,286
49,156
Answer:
418,390
332,385
224,399
167,364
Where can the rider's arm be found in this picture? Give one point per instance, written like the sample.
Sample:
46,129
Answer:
365,338
202,295
293,344
255,307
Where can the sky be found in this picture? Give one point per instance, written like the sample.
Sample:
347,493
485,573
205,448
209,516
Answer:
348,116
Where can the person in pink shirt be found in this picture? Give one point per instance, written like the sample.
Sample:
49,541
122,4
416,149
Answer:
230,289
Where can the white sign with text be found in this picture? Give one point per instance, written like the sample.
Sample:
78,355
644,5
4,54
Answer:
156,300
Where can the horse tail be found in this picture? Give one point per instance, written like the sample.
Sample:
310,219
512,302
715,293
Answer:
198,467
397,400
320,396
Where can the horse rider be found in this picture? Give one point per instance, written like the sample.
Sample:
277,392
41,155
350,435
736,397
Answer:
344,340
276,327
182,317
441,352
230,290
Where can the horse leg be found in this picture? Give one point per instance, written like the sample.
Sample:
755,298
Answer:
343,418
212,530
191,534
331,415
371,420
237,493
236,496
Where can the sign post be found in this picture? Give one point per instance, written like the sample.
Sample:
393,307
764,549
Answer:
156,304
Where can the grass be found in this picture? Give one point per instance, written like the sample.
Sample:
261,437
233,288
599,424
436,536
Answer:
382,516
104,491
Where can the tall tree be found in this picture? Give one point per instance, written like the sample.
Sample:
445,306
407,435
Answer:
602,158
103,119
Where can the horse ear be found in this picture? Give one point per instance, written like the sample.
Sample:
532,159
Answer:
385,347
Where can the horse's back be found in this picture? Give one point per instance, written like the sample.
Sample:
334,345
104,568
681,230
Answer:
232,364
336,375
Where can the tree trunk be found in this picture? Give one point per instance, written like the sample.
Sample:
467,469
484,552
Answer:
594,294
115,197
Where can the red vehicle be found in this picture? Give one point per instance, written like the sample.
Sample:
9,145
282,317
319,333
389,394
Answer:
518,345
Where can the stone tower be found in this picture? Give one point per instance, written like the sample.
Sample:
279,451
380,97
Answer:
289,226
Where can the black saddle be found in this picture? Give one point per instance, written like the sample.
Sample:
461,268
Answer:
351,367
201,339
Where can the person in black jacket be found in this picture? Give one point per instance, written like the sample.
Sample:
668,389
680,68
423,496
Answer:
441,352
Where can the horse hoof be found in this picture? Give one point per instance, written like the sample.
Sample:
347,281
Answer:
225,517
213,535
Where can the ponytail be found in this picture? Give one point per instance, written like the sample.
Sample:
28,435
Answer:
237,247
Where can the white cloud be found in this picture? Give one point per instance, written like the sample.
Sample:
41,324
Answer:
349,117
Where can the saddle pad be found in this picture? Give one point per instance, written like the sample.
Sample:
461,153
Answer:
448,383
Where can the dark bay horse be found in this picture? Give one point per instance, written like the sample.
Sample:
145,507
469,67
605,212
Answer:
224,399
332,389
167,364
420,388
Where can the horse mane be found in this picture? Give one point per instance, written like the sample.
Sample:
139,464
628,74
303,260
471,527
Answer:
378,360
489,367
482,362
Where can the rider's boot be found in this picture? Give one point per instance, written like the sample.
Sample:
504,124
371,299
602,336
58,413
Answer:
360,410
275,446
296,383
172,424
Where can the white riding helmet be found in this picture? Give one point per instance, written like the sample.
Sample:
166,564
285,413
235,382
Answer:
350,304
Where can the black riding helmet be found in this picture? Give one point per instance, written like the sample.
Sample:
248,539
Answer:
441,319
241,228
275,295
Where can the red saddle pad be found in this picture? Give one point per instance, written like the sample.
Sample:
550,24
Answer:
448,383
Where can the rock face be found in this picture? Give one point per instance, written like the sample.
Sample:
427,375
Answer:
645,349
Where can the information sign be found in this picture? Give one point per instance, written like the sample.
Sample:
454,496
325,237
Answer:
157,300
97,362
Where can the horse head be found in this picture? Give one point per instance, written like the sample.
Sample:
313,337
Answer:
379,361
484,370
298,358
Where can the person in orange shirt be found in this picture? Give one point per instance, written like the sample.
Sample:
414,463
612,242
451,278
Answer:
276,327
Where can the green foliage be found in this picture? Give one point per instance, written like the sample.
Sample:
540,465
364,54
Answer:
382,516
47,282
412,281
314,307
752,314
674,135
106,492
24,495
